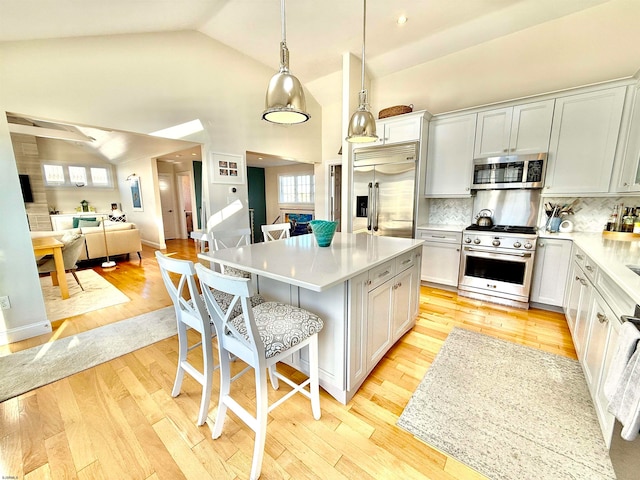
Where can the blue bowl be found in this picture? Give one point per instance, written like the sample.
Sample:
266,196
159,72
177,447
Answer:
323,230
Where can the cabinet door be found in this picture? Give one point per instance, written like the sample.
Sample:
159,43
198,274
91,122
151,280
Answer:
356,329
582,316
583,142
531,127
399,129
492,132
572,298
450,156
440,263
550,271
629,180
403,299
380,311
601,402
600,319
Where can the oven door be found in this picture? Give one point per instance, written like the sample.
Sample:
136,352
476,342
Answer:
505,274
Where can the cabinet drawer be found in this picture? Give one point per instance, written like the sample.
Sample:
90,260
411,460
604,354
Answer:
615,297
381,273
405,261
440,236
588,266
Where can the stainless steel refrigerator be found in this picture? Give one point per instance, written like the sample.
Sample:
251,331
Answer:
384,186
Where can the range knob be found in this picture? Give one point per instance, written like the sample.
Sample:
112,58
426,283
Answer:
528,246
495,243
467,240
476,241
517,244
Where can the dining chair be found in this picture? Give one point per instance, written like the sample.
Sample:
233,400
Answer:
70,254
220,239
262,336
276,231
191,313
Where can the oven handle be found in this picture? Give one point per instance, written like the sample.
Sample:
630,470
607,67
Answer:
523,254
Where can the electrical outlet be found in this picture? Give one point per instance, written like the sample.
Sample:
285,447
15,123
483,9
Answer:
5,304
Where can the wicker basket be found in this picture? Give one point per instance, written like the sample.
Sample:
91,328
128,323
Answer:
393,111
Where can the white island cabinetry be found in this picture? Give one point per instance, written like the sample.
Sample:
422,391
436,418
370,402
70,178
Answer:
365,288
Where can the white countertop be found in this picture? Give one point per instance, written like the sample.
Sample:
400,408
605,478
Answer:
611,256
299,261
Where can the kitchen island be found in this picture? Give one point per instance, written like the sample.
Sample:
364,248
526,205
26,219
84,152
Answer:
366,289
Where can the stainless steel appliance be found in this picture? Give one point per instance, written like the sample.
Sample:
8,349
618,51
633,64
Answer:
384,185
496,262
509,171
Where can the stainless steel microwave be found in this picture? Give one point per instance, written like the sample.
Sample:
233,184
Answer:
509,171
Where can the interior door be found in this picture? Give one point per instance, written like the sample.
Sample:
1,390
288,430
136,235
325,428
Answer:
168,204
336,194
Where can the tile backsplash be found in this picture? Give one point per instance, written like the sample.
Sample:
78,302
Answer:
591,215
592,212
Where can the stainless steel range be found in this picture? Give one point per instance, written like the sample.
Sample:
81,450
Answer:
497,264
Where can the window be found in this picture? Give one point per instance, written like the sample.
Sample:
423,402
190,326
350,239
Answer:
296,188
75,175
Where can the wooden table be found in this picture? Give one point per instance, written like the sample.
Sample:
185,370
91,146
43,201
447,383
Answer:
51,246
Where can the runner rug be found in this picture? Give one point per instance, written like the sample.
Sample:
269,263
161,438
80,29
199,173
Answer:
28,369
508,411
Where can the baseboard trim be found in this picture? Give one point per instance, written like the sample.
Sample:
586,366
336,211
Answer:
22,333
155,245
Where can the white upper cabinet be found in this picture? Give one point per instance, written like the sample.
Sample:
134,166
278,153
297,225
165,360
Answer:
401,128
583,141
629,180
450,156
521,129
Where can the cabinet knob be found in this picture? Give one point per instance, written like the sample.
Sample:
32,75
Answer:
602,318
541,244
467,189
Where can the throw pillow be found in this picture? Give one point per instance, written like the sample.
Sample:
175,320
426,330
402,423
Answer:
76,220
118,218
85,222
69,237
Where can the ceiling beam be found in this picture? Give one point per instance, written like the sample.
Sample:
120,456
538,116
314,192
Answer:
48,133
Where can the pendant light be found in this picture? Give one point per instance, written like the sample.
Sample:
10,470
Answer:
284,102
362,126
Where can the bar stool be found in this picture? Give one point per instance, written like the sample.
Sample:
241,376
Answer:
221,239
270,232
261,336
192,313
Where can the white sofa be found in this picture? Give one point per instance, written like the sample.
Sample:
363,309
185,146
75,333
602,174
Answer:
122,238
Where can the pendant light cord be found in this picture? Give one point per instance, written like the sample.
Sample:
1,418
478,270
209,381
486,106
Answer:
283,22
364,30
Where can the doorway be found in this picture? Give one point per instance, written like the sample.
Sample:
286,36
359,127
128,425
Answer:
335,193
185,203
168,205
257,201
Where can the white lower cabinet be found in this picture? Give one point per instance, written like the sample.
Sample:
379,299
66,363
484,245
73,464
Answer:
440,256
383,307
550,269
593,307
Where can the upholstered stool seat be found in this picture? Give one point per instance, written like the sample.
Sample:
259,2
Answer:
281,326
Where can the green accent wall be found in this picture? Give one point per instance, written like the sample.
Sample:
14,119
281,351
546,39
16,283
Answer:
197,185
256,192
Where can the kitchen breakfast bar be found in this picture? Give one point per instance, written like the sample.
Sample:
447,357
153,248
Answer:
366,289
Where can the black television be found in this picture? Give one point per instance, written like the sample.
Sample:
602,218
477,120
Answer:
25,185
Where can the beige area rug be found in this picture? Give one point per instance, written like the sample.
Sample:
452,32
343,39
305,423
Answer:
28,369
98,293
508,411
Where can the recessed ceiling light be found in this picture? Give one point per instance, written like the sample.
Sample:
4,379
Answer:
178,156
194,154
402,20
259,158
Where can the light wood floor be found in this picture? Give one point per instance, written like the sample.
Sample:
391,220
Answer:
119,421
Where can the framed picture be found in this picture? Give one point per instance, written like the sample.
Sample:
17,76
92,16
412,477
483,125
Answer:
227,168
136,194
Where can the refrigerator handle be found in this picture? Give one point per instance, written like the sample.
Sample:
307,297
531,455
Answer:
370,206
377,196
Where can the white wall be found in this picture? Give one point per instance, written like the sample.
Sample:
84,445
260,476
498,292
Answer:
139,83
